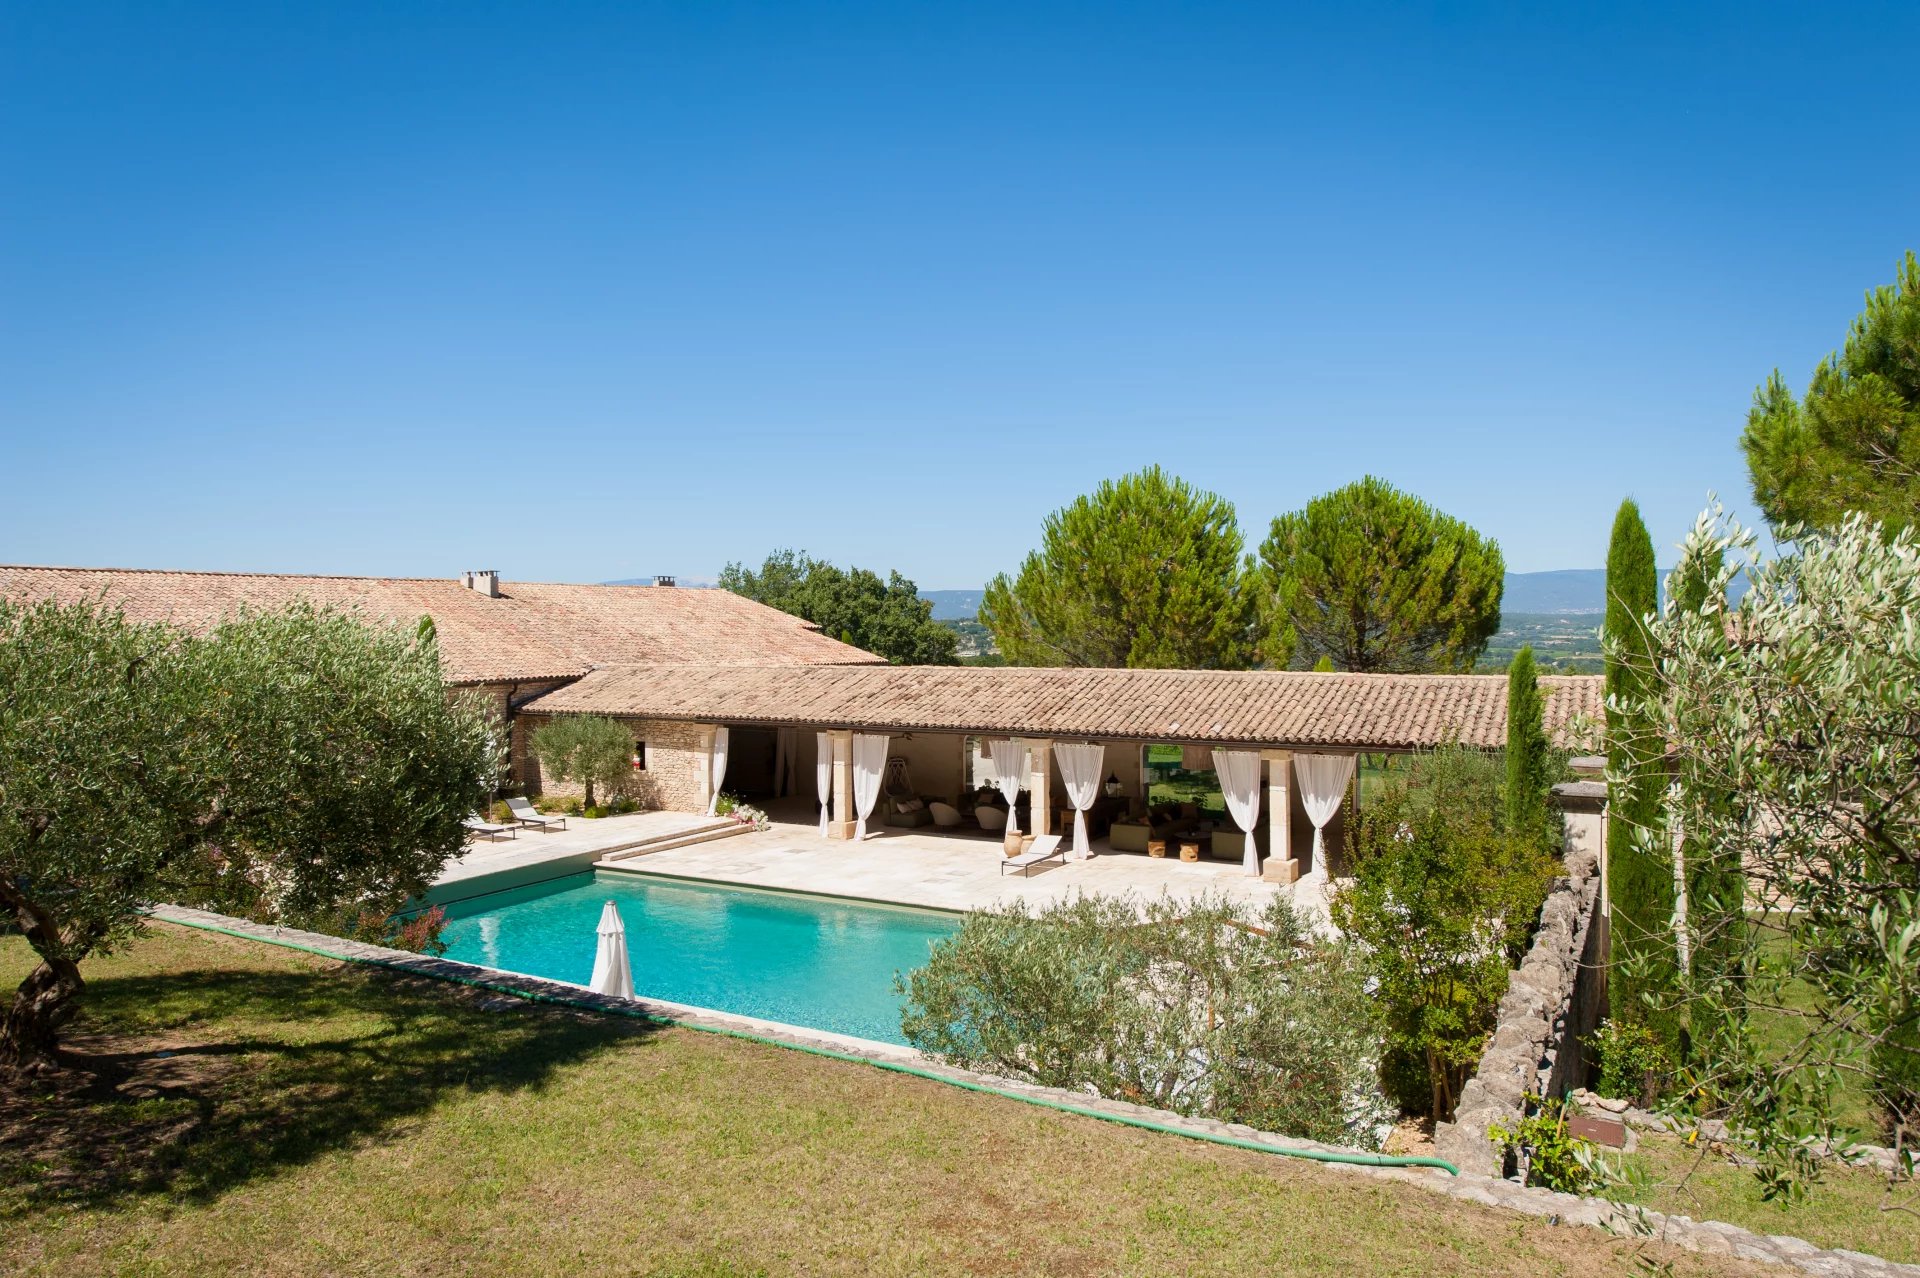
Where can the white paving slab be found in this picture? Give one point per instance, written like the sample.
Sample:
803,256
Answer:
490,865
950,872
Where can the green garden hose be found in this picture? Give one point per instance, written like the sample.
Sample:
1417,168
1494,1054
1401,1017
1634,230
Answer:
898,1067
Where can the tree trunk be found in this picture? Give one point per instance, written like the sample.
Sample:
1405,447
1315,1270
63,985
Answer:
587,802
50,995
45,1001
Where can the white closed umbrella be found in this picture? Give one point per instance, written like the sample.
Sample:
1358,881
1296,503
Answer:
612,974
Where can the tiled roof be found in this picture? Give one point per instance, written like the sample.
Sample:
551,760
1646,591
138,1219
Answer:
531,631
1276,708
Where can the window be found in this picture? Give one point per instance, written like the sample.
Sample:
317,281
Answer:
979,765
639,756
1168,779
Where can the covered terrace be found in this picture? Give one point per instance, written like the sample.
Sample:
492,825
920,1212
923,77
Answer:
876,746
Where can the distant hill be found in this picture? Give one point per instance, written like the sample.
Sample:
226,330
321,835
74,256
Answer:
954,605
686,583
1562,590
1567,590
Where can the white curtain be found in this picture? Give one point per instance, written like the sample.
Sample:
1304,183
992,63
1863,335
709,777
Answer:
1080,771
790,767
869,765
1239,773
1323,783
1012,761
719,768
823,776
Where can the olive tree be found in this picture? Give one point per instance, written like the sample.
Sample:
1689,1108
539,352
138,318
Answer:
585,748
298,766
1191,1006
1793,728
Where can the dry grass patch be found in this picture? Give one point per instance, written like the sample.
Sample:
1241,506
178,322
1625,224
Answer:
242,1109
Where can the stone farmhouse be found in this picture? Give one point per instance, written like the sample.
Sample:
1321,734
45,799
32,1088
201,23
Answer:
717,689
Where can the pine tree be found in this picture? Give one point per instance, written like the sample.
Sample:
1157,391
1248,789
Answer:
1644,963
1853,441
1529,754
1144,572
1378,580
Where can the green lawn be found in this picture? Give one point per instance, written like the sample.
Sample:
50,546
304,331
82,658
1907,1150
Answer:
257,1110
1850,1207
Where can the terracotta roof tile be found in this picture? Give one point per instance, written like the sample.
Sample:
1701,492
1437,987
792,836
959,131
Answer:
533,630
1262,707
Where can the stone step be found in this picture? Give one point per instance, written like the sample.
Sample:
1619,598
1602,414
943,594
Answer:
722,828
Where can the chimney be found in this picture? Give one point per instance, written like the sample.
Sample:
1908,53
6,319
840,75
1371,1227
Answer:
485,581
663,581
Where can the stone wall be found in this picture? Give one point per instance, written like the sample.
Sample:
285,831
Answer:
676,763
1554,1002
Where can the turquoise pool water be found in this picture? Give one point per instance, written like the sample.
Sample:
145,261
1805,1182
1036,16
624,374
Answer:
802,960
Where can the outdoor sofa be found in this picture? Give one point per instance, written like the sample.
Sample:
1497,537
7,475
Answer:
1163,821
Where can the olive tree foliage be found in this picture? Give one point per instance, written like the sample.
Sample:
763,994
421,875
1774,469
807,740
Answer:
1852,443
1190,1006
298,766
586,748
1442,897
1793,719
1377,580
1146,572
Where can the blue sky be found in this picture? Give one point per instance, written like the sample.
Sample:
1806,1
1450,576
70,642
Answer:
583,291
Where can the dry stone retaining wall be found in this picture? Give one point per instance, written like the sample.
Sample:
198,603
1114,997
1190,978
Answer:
1554,1001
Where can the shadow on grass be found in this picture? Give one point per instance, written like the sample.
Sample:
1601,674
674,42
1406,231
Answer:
190,1084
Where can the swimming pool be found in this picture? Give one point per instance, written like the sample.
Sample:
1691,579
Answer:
798,959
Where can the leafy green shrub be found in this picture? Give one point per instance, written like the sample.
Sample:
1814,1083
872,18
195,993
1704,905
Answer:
1633,1064
1188,1006
1549,1155
500,813
1442,901
560,804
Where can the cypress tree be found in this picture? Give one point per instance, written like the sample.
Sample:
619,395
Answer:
1644,964
1529,761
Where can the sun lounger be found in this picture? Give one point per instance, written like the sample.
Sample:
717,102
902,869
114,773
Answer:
524,813
483,829
1044,848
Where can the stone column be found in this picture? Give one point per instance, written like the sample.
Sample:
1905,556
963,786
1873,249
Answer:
841,827
1280,867
706,735
1040,785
